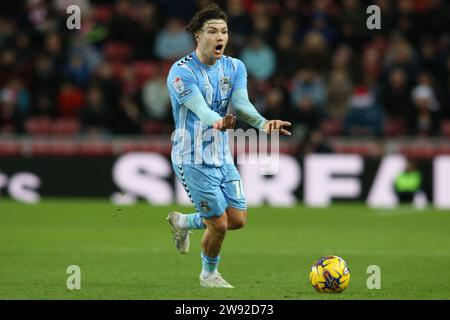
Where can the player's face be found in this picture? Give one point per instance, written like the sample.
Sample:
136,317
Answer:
212,40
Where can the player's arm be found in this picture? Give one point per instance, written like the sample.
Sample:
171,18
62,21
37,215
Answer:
207,116
245,109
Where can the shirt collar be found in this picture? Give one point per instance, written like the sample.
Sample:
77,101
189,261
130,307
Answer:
206,66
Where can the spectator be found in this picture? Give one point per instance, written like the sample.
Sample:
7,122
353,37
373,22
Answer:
259,58
122,27
94,116
54,48
44,103
155,97
70,100
306,117
262,21
76,70
316,143
88,53
371,63
11,120
338,94
436,18
150,21
127,118
313,52
8,61
396,97
23,46
130,85
424,120
7,29
46,73
275,103
308,85
364,115
320,24
429,59
446,105
408,183
173,41
400,54
22,96
407,19
342,60
289,25
286,56
426,78
240,20
103,75
351,23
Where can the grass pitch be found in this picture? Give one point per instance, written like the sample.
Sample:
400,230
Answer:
127,252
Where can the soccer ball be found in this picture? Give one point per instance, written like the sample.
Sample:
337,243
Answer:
330,274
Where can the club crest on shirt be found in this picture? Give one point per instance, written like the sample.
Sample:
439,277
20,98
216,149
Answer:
178,84
225,84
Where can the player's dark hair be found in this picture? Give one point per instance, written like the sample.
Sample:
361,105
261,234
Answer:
211,12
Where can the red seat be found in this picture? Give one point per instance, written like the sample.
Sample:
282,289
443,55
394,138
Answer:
60,148
65,126
95,148
117,69
38,125
394,127
129,146
418,151
445,128
10,148
117,51
362,148
102,13
331,127
145,71
444,149
153,127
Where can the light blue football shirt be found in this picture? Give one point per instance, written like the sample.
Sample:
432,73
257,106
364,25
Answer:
188,77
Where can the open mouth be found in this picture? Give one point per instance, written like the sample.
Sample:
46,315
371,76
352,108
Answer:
218,48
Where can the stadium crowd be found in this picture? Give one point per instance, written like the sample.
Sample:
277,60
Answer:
313,62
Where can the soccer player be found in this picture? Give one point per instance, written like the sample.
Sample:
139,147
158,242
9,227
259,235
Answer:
201,85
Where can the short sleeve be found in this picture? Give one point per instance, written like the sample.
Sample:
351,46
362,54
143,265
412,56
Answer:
241,75
182,84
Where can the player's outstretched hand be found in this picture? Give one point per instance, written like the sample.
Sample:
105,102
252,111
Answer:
272,125
227,122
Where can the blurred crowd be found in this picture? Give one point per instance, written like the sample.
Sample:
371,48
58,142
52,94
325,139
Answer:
312,62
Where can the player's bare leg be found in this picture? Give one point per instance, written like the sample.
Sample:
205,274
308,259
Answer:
181,224
216,229
237,218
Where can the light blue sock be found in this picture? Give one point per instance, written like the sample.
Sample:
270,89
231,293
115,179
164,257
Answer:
209,265
191,221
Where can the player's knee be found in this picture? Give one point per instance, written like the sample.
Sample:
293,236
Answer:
241,222
220,228
219,225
